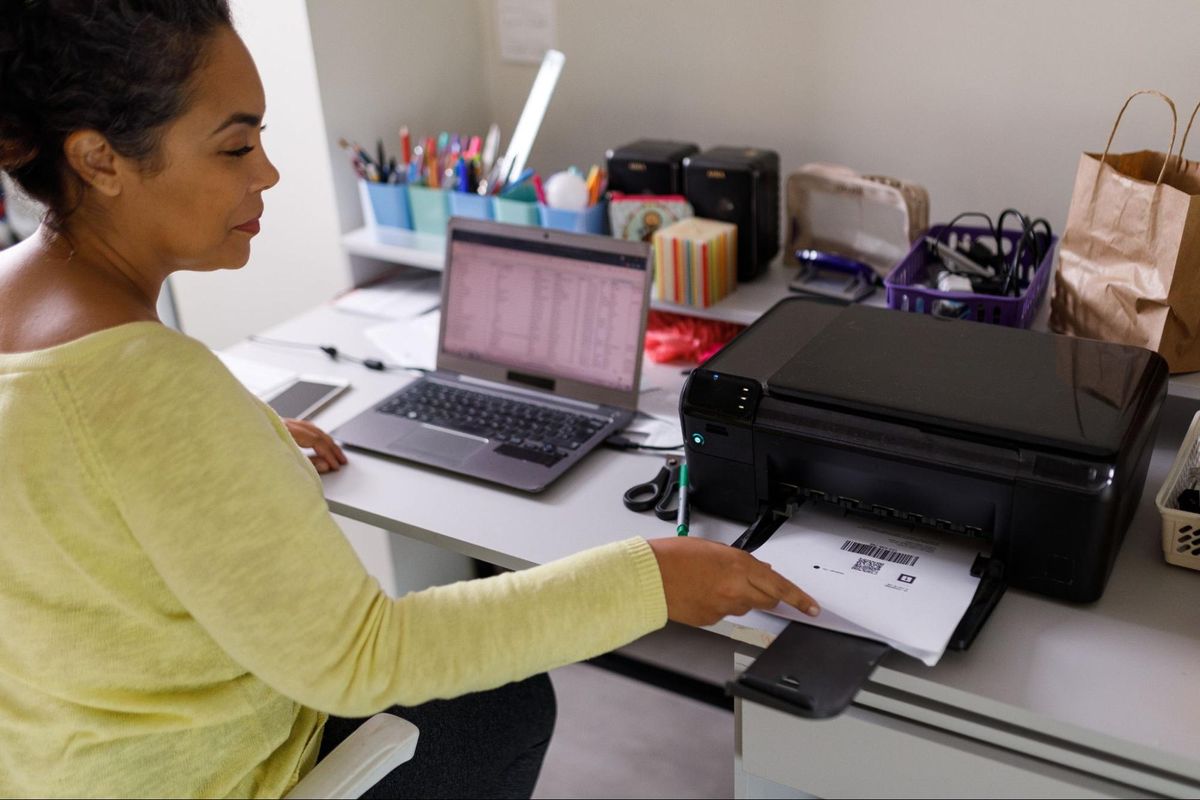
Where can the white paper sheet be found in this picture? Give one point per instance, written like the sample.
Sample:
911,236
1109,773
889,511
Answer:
408,342
876,580
526,29
661,402
261,379
403,298
654,432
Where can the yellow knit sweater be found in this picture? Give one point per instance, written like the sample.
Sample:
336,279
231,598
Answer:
178,611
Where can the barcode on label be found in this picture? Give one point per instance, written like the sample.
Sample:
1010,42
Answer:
868,566
875,551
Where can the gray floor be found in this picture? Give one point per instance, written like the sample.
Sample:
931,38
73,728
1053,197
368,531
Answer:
617,737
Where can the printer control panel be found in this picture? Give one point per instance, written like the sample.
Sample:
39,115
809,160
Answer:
730,397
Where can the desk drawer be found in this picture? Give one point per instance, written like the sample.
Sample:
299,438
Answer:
863,753
869,753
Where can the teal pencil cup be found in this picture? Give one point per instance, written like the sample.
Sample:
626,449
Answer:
469,204
517,212
430,209
591,220
389,204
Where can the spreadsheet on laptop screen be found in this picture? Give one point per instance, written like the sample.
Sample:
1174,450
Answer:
549,309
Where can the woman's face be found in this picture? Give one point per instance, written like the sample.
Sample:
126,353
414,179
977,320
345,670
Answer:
201,208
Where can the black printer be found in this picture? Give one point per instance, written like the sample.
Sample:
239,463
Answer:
1036,444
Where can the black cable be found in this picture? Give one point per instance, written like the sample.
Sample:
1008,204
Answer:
1013,265
619,442
1043,245
991,228
336,355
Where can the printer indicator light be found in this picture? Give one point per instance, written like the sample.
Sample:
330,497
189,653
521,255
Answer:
698,439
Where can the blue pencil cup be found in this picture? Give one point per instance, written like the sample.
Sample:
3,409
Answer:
590,220
469,204
430,209
389,204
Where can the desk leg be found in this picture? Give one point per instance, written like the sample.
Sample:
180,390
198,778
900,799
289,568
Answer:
403,565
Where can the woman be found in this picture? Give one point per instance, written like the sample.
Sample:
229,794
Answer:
180,613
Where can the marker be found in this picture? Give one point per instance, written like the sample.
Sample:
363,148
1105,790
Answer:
538,188
593,185
405,147
681,527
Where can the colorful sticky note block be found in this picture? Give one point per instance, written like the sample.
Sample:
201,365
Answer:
695,261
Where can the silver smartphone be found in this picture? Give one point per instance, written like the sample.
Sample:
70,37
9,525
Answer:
305,396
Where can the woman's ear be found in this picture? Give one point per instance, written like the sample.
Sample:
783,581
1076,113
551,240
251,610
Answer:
93,159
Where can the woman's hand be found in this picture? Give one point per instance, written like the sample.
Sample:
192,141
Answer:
328,455
705,581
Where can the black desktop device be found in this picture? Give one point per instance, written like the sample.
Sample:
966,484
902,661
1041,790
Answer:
648,166
739,185
1035,444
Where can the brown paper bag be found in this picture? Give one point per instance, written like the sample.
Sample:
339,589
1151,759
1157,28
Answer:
1129,259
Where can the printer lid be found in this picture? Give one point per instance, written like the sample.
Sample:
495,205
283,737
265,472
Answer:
973,378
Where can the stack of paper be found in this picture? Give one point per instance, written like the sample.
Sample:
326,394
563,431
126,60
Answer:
408,342
262,380
875,579
402,298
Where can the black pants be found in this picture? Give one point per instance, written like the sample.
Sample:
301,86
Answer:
489,744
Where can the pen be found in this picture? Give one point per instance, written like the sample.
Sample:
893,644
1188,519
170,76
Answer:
593,184
681,528
525,175
462,174
490,145
414,166
539,189
405,147
431,163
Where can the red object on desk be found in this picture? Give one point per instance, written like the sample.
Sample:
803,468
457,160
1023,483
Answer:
677,337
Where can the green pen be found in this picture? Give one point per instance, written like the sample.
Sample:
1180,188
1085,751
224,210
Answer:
681,528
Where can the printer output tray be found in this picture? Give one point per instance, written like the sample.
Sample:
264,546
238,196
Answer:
815,673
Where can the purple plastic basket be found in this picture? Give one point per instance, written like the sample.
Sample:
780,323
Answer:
906,290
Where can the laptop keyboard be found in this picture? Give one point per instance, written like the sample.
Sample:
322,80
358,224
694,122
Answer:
525,430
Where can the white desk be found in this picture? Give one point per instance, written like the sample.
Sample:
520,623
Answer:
1051,699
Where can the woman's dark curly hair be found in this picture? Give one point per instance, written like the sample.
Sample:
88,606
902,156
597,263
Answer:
120,67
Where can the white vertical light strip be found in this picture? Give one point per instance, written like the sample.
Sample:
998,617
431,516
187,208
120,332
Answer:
531,117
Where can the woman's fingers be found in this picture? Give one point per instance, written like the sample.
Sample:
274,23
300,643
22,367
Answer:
780,589
328,449
310,436
704,581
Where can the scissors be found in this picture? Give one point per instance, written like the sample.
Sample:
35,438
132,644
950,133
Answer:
657,493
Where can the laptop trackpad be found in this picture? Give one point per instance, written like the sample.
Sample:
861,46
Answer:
439,446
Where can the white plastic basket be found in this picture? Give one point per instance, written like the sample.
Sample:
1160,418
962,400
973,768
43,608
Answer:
1181,529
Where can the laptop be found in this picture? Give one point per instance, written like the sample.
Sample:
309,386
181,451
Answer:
539,356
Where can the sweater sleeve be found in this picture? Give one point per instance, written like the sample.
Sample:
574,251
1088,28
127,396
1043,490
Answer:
232,516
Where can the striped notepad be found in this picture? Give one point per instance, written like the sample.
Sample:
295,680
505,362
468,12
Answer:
695,261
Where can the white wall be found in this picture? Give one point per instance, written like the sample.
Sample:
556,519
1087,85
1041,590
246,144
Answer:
296,262
387,63
985,103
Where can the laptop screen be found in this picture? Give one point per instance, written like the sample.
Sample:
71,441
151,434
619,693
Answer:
560,310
